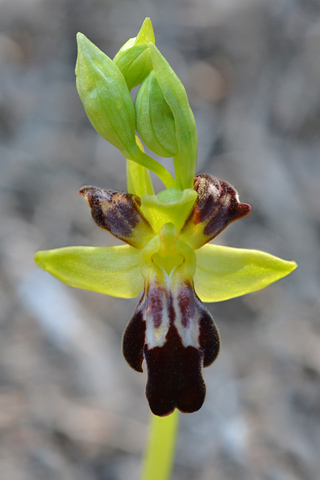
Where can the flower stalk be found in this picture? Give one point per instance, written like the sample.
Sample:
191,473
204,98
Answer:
159,455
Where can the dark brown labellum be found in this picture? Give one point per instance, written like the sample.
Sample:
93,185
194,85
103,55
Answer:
176,335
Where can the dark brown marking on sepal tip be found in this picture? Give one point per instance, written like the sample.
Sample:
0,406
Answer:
134,339
174,376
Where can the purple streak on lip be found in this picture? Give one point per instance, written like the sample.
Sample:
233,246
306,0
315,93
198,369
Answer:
155,304
186,304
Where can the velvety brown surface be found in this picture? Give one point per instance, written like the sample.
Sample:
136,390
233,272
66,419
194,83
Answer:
174,376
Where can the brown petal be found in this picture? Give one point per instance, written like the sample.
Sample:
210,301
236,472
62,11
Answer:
120,214
216,207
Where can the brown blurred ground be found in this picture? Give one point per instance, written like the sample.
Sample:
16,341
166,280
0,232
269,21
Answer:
70,407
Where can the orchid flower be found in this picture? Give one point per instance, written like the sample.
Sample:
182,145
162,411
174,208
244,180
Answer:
167,255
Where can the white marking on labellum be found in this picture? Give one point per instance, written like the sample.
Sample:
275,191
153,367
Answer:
156,315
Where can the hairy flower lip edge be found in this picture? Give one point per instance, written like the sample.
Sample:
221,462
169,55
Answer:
173,331
176,335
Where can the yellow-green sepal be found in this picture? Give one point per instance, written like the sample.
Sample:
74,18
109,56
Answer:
105,96
133,58
224,272
186,134
169,206
112,271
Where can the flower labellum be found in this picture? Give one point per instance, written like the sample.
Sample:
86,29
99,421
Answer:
173,331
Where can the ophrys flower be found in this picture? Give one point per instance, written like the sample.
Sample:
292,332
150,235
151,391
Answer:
167,255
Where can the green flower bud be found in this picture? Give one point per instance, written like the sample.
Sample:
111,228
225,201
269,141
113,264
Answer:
155,122
133,59
105,96
186,135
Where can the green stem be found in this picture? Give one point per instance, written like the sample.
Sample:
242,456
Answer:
160,450
155,167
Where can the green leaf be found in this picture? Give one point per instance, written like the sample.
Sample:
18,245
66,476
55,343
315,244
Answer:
225,272
112,271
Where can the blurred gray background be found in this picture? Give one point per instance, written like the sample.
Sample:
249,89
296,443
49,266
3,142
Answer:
70,407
